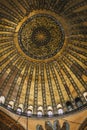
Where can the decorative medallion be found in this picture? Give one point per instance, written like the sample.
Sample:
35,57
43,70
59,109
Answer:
41,36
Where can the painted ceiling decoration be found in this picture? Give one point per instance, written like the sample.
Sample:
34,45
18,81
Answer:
41,36
43,56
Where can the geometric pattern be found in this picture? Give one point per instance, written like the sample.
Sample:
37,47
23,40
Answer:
41,36
58,74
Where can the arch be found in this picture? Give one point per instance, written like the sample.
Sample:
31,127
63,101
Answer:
10,105
60,109
6,122
48,125
29,111
78,102
2,99
85,95
20,109
39,127
83,126
65,126
69,105
50,111
56,125
40,111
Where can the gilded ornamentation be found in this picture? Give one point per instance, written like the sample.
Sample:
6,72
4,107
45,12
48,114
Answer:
41,36
43,55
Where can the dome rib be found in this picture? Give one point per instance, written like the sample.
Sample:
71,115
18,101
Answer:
43,56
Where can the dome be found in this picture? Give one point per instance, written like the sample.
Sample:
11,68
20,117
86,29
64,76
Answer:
43,49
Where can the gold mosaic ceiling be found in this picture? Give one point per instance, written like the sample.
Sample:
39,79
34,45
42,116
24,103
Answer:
43,49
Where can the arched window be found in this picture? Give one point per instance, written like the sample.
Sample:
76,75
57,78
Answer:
65,126
20,109
60,109
85,95
10,105
40,111
39,127
30,111
48,125
56,125
2,99
69,105
49,111
78,102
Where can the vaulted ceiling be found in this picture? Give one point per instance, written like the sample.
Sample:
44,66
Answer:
43,49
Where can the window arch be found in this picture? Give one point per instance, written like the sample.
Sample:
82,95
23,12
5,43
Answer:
39,127
10,105
20,109
40,111
30,111
60,109
69,105
48,125
83,126
78,102
50,111
85,95
2,99
65,126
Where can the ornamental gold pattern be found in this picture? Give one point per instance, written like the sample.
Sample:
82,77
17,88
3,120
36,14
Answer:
41,36
43,52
